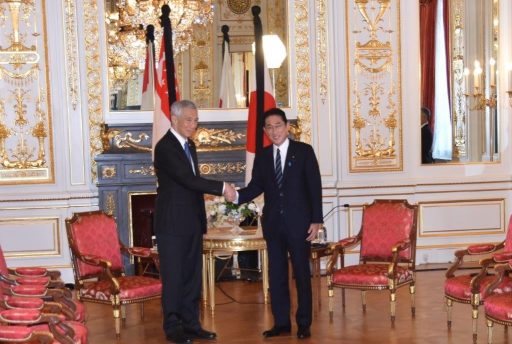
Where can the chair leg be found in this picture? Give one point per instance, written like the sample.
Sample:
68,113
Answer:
123,314
363,300
449,305
330,294
412,290
489,331
117,318
392,298
343,298
474,316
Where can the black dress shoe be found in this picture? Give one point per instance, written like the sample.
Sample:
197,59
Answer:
276,331
178,337
200,333
303,332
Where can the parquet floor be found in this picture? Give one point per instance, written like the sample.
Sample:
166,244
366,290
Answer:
244,320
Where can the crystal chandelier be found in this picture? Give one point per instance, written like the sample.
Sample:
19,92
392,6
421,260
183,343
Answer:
126,21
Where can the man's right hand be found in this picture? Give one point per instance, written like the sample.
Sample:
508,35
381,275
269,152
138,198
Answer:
229,192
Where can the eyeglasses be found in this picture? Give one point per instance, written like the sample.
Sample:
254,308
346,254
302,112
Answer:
274,127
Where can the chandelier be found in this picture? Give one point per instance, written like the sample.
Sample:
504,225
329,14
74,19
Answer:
126,21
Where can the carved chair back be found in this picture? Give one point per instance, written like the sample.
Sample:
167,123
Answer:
384,224
93,234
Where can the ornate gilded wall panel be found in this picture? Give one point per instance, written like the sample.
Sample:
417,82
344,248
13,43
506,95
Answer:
26,152
374,91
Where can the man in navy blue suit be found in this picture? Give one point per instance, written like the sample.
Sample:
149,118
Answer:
288,173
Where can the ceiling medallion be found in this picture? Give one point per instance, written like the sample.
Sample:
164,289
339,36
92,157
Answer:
239,6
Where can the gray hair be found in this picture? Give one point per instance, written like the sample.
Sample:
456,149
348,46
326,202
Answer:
178,106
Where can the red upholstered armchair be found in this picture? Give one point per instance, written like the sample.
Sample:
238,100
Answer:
98,268
498,304
467,288
387,257
32,326
30,275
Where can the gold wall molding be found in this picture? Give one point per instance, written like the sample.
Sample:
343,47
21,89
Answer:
71,51
303,72
26,140
321,49
93,64
374,90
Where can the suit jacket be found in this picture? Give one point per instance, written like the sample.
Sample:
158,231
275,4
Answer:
426,145
180,201
299,202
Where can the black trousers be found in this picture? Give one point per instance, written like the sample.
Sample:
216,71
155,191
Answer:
181,272
279,244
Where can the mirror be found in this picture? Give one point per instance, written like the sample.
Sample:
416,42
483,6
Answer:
459,72
197,48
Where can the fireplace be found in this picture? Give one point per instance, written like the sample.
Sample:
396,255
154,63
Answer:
141,207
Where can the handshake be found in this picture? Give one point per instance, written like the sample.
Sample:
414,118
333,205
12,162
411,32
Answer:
229,192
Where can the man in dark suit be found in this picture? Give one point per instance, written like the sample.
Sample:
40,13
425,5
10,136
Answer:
426,137
288,173
180,222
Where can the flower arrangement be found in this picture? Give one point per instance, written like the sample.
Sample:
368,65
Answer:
220,212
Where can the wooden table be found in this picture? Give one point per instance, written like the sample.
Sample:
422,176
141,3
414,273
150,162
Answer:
219,240
317,252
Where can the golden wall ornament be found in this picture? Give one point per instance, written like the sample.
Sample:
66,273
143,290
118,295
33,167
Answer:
321,49
216,137
143,171
373,50
108,172
222,168
26,154
127,141
93,75
110,203
303,70
71,51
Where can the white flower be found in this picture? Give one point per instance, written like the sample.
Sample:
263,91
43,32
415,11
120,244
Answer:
222,208
252,207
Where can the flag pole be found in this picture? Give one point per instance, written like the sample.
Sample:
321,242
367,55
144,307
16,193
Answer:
260,76
165,22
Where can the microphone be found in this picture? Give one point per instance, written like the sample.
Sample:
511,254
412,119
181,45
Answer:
346,205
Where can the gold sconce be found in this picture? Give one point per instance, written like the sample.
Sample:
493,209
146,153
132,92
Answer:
478,100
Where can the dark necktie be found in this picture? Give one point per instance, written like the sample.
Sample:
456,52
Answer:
279,169
189,156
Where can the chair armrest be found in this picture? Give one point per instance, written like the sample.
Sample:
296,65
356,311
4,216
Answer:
339,248
501,271
346,243
95,260
471,250
143,252
24,334
482,248
502,257
400,246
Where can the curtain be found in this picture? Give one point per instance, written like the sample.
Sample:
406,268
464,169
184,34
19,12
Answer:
427,55
442,145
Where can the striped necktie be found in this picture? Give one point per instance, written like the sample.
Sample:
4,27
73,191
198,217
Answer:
189,155
279,169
